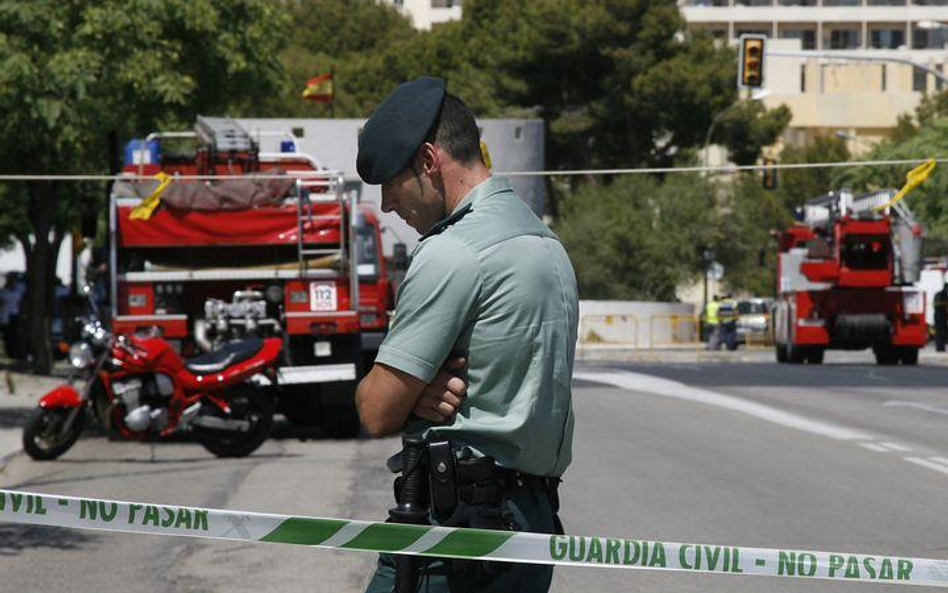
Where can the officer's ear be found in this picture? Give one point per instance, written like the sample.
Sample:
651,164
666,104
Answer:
432,158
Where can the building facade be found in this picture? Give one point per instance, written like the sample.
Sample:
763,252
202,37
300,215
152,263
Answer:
858,101
425,13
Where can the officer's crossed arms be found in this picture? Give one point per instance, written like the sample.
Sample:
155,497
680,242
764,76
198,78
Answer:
387,396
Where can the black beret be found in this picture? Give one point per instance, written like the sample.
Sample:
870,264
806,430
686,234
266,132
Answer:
397,128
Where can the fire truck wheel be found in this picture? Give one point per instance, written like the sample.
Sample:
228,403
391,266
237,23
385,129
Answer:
795,354
886,355
814,356
910,356
781,350
300,405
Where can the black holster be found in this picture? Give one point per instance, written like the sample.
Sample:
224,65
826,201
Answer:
411,495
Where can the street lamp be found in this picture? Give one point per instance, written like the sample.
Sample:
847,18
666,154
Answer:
757,96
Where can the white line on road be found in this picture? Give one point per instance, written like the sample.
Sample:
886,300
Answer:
874,447
674,389
927,464
920,406
896,447
940,460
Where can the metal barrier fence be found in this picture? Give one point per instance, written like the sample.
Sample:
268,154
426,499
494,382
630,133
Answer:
675,329
681,329
609,329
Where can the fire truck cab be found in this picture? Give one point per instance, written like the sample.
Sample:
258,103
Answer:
250,243
844,280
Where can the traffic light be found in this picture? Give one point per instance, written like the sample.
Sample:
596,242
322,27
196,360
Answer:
769,174
751,74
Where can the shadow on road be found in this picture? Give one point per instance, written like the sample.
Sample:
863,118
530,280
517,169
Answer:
14,539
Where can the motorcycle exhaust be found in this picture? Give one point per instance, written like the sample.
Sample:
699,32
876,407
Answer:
218,423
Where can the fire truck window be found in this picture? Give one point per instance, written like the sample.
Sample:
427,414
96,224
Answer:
366,251
865,253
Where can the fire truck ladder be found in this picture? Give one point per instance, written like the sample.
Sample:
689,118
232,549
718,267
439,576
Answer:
346,253
834,204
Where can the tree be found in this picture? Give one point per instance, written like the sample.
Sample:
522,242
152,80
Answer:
73,72
798,185
748,127
637,238
921,136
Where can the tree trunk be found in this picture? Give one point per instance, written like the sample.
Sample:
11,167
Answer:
41,273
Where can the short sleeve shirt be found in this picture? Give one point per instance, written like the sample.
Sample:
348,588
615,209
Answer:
493,284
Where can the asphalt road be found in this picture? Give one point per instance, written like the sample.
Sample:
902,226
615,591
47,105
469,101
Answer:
846,457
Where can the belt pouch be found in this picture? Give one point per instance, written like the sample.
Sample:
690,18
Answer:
443,479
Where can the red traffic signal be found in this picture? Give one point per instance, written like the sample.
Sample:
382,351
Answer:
751,74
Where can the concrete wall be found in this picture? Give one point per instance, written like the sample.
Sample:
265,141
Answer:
514,145
637,324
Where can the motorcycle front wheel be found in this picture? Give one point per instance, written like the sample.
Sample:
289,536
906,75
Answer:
46,435
248,405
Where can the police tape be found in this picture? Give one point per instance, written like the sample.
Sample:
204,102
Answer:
423,540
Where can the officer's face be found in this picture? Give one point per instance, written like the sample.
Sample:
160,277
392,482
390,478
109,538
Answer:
413,197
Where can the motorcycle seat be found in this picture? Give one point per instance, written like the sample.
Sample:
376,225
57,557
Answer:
229,354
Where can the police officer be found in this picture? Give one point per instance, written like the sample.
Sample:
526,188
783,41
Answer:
727,320
940,307
490,283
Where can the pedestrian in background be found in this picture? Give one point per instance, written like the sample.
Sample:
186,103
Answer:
489,283
12,297
711,323
940,307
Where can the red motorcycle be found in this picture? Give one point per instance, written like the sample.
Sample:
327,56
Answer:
140,388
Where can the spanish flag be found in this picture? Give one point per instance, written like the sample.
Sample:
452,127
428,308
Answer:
319,88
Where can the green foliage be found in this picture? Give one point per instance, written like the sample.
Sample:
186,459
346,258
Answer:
928,139
71,72
748,217
637,238
799,185
748,127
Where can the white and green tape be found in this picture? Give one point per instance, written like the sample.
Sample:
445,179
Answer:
504,546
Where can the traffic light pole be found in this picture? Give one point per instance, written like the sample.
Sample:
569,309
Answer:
832,55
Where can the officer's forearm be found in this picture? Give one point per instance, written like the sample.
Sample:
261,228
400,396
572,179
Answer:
385,398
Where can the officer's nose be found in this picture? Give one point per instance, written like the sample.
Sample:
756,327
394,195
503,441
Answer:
388,200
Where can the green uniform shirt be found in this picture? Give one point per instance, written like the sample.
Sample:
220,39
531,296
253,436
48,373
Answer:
493,284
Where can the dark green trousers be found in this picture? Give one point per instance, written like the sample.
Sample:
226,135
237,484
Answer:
531,512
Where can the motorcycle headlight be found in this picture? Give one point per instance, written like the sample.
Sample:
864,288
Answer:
80,355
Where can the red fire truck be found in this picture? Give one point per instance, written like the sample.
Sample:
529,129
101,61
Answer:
844,280
292,255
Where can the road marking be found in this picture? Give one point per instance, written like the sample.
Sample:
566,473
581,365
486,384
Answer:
940,460
920,406
927,464
874,447
668,388
896,447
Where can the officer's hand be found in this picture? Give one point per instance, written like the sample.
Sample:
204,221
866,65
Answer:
442,397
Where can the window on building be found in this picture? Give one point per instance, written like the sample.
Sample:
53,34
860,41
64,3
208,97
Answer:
764,32
754,2
885,2
445,3
807,37
930,2
796,2
929,38
919,80
843,39
886,38
842,2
